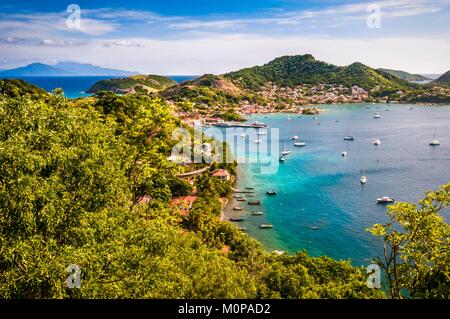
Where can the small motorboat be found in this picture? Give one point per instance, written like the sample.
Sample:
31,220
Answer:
271,192
344,154
242,228
285,152
377,116
377,142
315,228
257,213
385,200
254,203
299,144
241,199
237,219
258,141
282,159
265,226
238,208
349,138
294,138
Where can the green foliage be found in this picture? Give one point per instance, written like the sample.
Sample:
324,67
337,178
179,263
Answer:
153,82
417,247
405,75
15,88
71,178
289,71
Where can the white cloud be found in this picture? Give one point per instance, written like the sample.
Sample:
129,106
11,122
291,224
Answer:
220,54
344,13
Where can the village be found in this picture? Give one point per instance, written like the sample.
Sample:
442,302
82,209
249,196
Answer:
302,99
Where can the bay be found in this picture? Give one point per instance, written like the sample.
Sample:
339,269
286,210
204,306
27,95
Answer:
318,188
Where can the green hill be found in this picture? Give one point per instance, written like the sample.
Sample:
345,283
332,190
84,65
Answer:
444,79
289,71
214,83
405,75
14,88
132,84
210,90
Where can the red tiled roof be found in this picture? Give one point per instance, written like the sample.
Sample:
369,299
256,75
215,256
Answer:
183,203
220,173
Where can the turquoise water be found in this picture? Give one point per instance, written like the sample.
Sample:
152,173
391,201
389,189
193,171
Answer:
317,187
76,86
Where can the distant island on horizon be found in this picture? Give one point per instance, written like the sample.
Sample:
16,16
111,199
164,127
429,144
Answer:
64,69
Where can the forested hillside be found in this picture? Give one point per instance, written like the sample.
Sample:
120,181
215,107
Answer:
71,182
289,71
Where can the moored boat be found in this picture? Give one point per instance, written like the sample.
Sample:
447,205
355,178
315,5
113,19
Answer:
265,226
385,200
363,180
271,192
257,213
435,142
237,219
254,203
299,144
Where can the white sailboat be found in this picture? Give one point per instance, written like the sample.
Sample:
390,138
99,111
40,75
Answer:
435,141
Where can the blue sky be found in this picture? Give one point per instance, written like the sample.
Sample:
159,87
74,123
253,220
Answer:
206,36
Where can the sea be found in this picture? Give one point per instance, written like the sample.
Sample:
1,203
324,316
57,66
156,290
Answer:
321,206
76,86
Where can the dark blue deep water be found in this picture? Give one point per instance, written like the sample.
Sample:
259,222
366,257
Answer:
317,187
76,86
